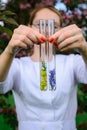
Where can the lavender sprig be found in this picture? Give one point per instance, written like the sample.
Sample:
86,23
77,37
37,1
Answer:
52,79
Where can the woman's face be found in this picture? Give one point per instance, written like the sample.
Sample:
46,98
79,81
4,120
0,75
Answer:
46,14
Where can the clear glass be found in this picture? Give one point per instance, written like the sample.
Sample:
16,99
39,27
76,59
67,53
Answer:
47,57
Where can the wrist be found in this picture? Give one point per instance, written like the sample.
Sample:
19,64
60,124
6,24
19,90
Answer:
9,51
83,48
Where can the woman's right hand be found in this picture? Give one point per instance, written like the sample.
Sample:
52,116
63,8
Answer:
24,36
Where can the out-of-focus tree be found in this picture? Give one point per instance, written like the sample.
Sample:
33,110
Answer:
23,8
5,32
76,14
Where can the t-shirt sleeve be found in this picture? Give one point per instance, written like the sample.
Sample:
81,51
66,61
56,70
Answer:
80,69
8,83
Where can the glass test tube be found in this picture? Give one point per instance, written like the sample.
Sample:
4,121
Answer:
47,57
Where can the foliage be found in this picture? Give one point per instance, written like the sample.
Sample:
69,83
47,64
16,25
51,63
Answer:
24,7
7,110
82,107
5,32
18,12
76,14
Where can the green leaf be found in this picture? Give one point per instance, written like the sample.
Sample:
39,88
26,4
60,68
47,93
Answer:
8,31
10,21
1,6
81,118
7,13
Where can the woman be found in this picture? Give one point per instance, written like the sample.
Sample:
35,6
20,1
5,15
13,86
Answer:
36,109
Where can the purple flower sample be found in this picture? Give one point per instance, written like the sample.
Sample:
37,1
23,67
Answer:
52,79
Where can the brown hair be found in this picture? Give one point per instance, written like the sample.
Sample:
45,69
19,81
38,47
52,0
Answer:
50,7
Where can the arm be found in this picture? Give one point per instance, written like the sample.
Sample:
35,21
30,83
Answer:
5,62
83,51
22,37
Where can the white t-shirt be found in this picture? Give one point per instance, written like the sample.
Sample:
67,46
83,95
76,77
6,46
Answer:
45,110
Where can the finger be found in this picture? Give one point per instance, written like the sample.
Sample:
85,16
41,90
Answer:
70,46
69,41
37,38
57,35
41,38
22,29
28,42
33,38
33,35
20,44
25,40
64,33
27,31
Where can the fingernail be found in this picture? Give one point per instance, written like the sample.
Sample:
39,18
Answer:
51,39
56,45
43,39
38,43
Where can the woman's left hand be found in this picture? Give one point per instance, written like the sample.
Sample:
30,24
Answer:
69,37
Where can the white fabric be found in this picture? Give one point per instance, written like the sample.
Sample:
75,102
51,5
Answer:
49,110
37,125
